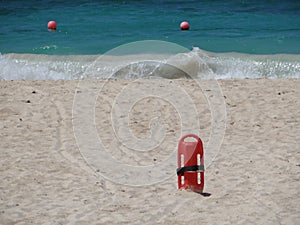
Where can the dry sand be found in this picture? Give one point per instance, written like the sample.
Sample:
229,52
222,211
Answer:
254,179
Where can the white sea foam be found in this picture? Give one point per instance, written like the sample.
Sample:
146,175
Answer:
196,63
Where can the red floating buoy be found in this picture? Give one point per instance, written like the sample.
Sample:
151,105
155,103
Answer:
52,25
190,170
184,25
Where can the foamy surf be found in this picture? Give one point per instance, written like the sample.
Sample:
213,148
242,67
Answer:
196,64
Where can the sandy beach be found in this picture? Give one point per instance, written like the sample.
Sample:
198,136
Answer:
253,179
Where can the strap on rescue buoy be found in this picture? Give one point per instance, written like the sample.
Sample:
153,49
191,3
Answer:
180,171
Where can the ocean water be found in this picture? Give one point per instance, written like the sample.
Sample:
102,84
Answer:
227,39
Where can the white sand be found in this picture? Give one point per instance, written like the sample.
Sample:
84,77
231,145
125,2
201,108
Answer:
254,179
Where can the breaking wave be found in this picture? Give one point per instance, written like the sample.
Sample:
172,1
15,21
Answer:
196,63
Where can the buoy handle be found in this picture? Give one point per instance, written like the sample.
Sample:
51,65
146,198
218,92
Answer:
190,135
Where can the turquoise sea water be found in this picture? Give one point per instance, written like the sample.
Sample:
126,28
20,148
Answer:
266,34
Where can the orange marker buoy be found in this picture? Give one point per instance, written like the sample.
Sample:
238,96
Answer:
184,25
52,25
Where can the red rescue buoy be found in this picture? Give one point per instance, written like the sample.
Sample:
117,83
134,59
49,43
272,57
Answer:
190,170
184,25
52,25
